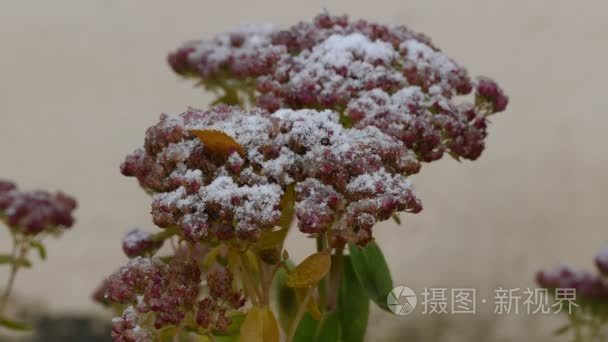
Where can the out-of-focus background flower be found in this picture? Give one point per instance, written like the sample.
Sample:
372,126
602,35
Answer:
81,80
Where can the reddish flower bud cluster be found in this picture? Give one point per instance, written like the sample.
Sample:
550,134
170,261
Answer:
428,124
99,295
140,243
128,328
212,309
488,91
239,196
247,51
150,285
356,176
588,285
367,71
31,212
169,291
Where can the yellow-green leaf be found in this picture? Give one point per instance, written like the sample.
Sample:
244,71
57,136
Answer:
14,325
211,257
40,248
310,271
271,239
218,142
260,325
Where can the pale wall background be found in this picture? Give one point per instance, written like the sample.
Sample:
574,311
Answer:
81,80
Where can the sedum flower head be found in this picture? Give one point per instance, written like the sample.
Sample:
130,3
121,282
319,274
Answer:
138,242
220,197
150,285
588,285
170,291
384,76
32,212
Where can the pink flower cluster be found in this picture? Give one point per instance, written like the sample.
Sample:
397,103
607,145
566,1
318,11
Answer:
212,309
428,124
150,285
32,212
170,291
218,197
140,243
588,285
129,327
373,75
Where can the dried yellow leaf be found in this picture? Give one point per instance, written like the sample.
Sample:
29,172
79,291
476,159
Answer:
271,239
218,142
310,271
260,325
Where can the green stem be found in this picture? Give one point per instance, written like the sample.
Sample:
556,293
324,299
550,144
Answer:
17,254
324,283
246,272
299,314
337,267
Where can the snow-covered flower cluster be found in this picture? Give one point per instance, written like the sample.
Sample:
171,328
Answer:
170,291
138,242
212,196
32,212
372,74
30,217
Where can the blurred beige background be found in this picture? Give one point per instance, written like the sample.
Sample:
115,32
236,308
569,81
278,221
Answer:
80,81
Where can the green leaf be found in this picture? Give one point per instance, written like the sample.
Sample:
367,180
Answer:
287,302
40,248
24,263
6,259
166,334
307,329
353,305
14,325
9,259
329,330
231,338
372,271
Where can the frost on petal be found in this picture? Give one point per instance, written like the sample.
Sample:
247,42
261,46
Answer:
430,125
239,195
371,74
317,207
150,285
244,52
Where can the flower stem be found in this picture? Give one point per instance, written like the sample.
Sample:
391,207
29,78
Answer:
337,266
250,285
324,283
299,314
17,254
